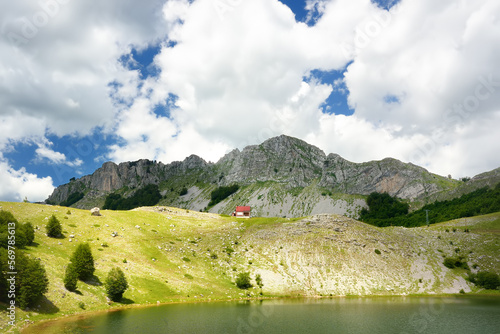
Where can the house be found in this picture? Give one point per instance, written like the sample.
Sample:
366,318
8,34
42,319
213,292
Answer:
242,212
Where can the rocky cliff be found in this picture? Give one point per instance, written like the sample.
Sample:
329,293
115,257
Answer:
283,176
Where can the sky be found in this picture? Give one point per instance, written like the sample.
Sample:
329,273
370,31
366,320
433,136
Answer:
82,83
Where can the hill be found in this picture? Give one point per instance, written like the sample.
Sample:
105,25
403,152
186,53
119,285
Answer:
178,255
283,176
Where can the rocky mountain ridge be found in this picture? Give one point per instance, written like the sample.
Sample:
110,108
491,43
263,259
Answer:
283,176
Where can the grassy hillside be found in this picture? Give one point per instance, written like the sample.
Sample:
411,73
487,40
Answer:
179,255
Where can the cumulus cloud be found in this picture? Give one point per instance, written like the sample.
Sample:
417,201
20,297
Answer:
19,184
422,78
57,62
412,78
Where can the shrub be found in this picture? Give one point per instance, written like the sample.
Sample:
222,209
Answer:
243,280
258,280
84,261
116,284
53,228
188,276
453,262
186,259
71,277
486,279
183,191
228,251
378,252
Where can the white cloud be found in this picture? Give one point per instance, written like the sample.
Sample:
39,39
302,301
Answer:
239,79
423,78
18,184
44,153
57,60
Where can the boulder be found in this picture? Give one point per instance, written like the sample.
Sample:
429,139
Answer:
95,212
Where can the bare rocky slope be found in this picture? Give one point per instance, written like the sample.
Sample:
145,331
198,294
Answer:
283,176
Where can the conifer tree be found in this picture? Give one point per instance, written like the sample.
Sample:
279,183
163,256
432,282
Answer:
71,277
53,228
83,261
116,284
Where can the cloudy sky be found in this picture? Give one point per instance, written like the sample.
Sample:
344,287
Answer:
84,82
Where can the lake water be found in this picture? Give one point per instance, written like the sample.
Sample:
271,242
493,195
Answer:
338,315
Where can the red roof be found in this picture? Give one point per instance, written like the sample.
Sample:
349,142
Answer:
243,209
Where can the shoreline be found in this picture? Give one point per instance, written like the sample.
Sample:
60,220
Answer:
86,314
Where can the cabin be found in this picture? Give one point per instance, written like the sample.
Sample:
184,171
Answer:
242,212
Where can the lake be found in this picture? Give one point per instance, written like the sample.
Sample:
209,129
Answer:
337,315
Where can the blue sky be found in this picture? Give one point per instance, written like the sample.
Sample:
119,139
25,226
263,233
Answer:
414,80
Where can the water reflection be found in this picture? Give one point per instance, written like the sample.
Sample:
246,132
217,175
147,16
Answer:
342,315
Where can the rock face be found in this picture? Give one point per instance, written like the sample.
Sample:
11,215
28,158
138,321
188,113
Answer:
281,174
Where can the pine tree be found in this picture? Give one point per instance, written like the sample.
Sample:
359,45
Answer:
32,280
53,228
71,277
29,233
116,284
83,261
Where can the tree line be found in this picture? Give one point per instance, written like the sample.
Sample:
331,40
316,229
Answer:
385,210
148,195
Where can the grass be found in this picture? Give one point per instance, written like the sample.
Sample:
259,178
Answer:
179,255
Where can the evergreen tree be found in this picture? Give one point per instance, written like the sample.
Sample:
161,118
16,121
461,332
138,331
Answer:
116,284
31,282
29,233
71,277
54,228
83,261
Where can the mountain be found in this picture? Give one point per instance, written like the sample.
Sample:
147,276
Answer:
283,176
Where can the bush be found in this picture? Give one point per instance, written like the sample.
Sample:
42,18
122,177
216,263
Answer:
377,252
453,262
486,279
83,261
116,284
243,280
258,280
71,277
183,191
53,228
228,250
